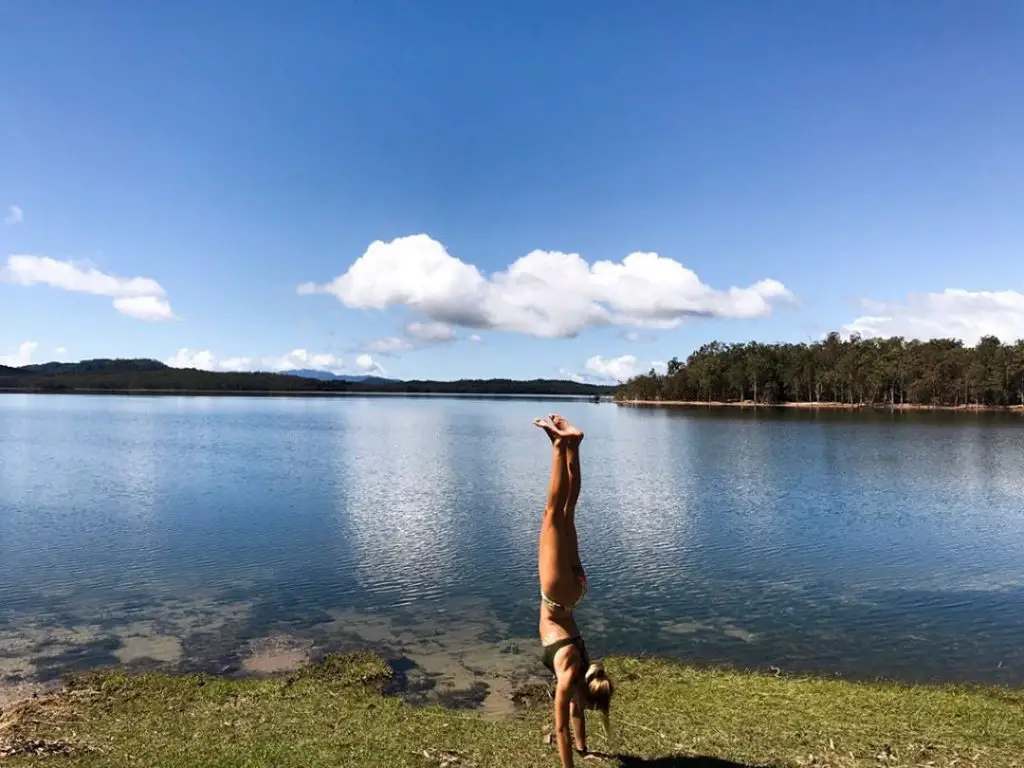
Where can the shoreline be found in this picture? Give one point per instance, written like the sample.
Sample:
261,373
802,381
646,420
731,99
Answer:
822,406
337,712
295,393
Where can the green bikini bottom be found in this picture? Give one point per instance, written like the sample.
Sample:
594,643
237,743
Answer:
548,652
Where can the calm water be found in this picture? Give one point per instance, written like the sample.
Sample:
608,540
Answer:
245,534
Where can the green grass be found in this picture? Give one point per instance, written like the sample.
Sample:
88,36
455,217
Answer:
665,714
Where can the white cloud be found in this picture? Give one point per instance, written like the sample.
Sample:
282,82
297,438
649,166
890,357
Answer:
187,358
953,313
296,359
139,297
610,370
571,376
239,364
637,337
475,337
149,308
308,289
14,216
416,334
388,346
613,368
301,358
368,365
23,355
431,332
545,294
60,351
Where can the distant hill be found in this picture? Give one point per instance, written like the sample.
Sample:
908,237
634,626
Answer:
309,373
153,376
94,366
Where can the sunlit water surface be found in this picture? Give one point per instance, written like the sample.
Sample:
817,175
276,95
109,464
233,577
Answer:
245,535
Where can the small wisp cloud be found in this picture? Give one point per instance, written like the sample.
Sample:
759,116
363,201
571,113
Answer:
140,297
415,336
13,216
297,359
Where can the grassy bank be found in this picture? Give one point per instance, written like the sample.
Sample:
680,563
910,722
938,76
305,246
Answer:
666,715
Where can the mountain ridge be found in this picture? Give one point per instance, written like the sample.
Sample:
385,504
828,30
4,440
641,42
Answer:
145,375
312,373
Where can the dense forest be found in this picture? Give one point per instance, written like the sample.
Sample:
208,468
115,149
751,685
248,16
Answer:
152,376
856,371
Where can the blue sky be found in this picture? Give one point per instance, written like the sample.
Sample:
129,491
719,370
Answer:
172,173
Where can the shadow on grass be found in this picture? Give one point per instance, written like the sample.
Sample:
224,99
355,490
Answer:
671,761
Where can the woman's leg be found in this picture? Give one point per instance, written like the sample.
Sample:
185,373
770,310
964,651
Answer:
572,460
554,561
559,560
558,483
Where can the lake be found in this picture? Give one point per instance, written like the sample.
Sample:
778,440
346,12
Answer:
245,535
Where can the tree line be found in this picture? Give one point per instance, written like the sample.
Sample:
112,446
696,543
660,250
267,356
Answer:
855,370
153,376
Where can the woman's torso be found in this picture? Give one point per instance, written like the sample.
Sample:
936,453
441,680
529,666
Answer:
556,625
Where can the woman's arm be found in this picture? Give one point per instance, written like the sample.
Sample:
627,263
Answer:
563,695
566,663
579,721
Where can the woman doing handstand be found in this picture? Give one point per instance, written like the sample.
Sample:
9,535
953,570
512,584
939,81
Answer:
581,685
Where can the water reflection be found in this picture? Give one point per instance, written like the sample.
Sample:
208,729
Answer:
401,499
645,489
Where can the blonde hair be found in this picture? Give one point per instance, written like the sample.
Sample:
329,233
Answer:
599,694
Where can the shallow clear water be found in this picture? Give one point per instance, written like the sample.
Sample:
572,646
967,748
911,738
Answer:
244,534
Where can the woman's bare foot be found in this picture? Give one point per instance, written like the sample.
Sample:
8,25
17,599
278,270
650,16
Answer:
565,429
549,428
559,428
